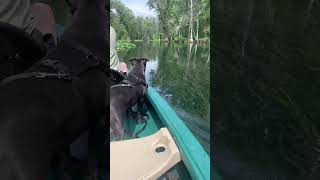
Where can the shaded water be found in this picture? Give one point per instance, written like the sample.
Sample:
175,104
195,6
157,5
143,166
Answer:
266,89
181,74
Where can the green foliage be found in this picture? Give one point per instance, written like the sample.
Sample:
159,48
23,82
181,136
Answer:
121,19
129,27
172,22
175,18
125,46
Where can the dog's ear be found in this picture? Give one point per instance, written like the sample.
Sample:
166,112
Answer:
72,4
145,59
132,61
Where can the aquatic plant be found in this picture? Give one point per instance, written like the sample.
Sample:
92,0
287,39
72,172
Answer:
125,46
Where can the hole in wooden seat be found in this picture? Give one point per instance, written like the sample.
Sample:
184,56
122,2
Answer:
160,149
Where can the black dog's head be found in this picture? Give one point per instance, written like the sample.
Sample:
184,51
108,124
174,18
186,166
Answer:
139,61
138,72
88,25
75,4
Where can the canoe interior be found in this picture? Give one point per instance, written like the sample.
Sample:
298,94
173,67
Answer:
154,124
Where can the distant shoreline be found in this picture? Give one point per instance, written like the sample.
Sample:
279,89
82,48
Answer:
199,41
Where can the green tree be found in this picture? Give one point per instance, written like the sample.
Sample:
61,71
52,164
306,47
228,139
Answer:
125,17
130,27
176,20
179,18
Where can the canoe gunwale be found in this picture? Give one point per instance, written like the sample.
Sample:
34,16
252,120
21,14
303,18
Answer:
192,153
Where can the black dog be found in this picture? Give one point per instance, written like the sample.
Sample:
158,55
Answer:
126,94
18,50
57,99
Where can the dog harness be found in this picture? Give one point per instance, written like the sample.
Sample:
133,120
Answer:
60,71
131,81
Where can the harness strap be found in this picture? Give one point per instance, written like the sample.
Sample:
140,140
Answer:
138,80
54,65
127,83
60,70
38,75
144,126
92,63
122,85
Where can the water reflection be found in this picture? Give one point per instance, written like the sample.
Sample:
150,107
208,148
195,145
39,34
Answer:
266,96
181,74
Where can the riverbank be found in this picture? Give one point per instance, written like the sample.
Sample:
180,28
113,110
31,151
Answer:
177,41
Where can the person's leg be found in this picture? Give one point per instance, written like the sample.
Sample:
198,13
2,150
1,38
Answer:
44,19
123,68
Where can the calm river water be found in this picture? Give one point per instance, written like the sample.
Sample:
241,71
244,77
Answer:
181,74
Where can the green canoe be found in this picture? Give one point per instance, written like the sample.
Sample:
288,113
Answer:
195,161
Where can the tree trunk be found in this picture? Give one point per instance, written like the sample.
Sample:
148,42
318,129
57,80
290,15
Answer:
247,28
197,36
191,21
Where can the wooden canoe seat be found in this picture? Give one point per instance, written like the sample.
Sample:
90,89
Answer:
143,158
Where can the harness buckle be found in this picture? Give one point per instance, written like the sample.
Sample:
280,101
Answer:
59,75
50,64
40,75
